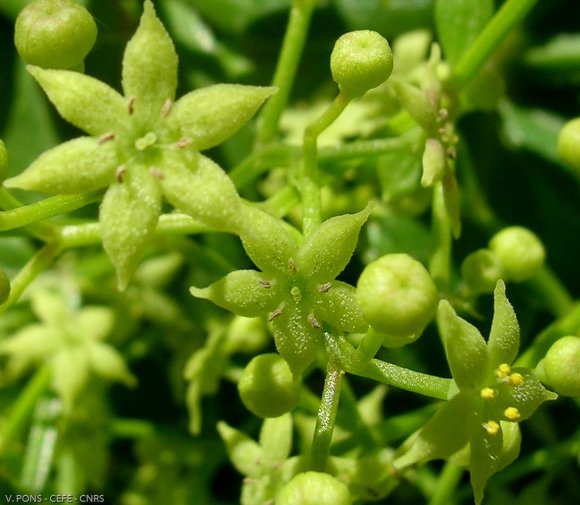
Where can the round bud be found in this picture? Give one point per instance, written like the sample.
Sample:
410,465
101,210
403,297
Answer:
397,296
314,488
361,60
569,143
519,251
54,33
561,366
267,386
3,161
481,270
4,287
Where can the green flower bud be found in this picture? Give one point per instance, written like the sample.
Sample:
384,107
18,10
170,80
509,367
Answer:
4,287
519,251
267,386
3,161
54,33
361,60
560,369
314,488
397,296
481,270
569,142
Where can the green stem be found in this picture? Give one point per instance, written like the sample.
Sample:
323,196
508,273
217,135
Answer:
292,47
22,408
447,482
309,174
326,417
50,207
500,26
552,292
43,231
36,265
388,373
440,262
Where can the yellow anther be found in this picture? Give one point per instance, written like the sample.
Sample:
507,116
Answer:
492,427
511,414
503,370
488,393
516,379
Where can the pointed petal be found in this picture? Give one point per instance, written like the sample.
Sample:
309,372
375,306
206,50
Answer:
448,431
243,452
84,101
338,306
328,249
50,308
527,396
210,115
109,364
490,454
504,337
465,348
128,216
243,292
150,66
94,323
200,188
267,241
70,371
77,166
32,342
276,439
297,340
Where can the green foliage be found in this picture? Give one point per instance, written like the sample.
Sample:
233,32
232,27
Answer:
217,151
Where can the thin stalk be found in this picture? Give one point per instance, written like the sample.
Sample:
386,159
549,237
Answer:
489,39
552,291
326,417
440,263
43,231
22,408
292,47
309,186
447,482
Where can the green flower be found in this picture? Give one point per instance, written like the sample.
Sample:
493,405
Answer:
144,145
71,342
478,426
296,288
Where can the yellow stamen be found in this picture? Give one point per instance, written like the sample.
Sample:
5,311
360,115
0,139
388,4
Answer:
503,370
488,393
492,427
511,414
516,379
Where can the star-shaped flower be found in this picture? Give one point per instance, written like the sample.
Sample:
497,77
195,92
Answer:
71,342
144,145
296,288
478,426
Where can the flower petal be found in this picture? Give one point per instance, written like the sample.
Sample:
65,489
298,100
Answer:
297,340
210,115
447,432
328,249
200,188
128,216
80,165
338,306
84,101
94,323
150,66
109,364
33,342
70,371
527,396
504,337
267,241
243,292
465,348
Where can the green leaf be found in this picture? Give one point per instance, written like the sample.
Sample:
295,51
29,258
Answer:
128,216
210,115
150,66
458,22
267,241
504,337
465,348
84,101
329,248
339,307
79,165
243,292
199,187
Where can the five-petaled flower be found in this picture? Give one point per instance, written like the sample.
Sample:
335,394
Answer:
478,426
144,145
296,288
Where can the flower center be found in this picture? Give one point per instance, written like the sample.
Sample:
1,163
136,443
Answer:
148,140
